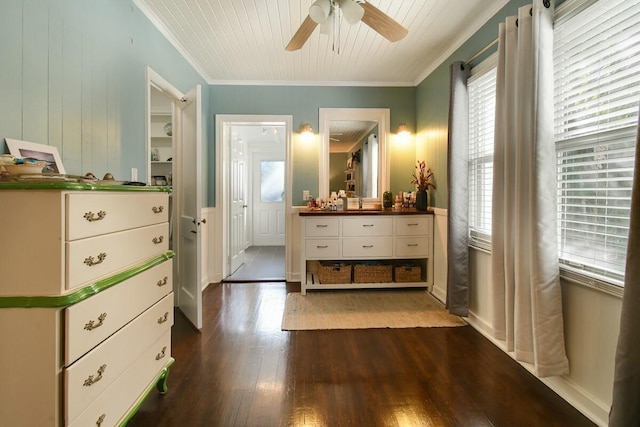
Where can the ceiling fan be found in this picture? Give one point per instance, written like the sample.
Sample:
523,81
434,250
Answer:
327,13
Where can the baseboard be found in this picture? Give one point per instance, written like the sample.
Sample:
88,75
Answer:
440,294
570,392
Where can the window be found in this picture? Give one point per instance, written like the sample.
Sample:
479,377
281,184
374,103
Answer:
271,181
596,95
482,108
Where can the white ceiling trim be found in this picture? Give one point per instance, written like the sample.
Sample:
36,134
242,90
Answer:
170,37
464,36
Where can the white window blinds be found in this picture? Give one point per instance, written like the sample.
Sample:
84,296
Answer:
482,109
597,90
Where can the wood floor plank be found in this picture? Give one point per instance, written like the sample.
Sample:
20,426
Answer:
242,370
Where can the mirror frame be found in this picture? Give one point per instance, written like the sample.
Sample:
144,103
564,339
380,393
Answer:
380,115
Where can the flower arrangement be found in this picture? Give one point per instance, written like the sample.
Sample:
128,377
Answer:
422,176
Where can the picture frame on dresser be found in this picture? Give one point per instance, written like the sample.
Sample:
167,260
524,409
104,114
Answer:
47,153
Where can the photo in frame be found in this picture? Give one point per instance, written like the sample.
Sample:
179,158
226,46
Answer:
47,153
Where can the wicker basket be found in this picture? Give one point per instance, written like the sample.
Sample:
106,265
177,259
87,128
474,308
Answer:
334,272
371,273
408,273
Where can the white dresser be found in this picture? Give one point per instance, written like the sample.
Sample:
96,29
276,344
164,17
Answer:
352,237
86,302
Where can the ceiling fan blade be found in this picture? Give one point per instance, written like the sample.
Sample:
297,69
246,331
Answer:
382,23
302,35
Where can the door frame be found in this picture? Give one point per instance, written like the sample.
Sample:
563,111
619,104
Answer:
222,181
156,80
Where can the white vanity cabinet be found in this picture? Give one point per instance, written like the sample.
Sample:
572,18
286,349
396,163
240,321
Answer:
391,237
86,302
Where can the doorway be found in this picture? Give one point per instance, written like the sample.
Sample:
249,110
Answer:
255,150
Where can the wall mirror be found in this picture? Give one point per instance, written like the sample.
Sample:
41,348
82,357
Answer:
353,151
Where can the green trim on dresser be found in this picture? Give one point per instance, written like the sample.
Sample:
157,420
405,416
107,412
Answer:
159,383
85,292
52,184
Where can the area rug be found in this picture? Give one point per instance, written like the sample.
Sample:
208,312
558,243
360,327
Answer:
365,310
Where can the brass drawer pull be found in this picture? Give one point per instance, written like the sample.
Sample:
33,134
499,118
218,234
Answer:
162,354
100,420
157,209
90,216
164,318
412,244
412,224
91,261
322,246
367,225
163,281
322,225
367,246
158,240
91,325
92,380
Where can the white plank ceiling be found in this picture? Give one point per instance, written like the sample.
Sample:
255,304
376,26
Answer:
243,41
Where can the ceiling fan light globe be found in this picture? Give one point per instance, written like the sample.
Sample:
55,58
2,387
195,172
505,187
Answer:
319,11
326,27
351,11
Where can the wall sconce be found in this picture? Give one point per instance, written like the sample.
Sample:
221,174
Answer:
403,130
404,135
306,131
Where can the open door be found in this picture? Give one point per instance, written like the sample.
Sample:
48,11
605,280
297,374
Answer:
237,203
189,207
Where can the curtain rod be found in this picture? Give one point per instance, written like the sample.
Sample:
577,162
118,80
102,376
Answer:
483,50
546,4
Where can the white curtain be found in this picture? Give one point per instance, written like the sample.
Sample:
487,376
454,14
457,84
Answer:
526,286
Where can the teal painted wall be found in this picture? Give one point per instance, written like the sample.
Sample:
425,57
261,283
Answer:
303,102
432,102
72,75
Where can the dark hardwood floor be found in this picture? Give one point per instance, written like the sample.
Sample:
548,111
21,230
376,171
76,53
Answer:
243,370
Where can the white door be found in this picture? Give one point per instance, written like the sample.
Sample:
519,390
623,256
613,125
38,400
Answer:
268,199
189,206
238,203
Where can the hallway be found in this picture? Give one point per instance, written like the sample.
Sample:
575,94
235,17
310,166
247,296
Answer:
262,263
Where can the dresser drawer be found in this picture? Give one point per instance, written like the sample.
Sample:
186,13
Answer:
322,227
367,247
99,213
95,257
367,226
412,226
322,248
116,306
117,400
92,374
412,247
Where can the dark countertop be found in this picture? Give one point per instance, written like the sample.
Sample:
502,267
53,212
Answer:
403,211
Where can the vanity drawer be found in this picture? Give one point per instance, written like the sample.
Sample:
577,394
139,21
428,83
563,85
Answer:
367,247
91,375
412,226
95,214
322,248
118,305
95,257
111,407
412,247
322,227
367,226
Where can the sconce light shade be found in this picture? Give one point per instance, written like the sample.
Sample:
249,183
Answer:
403,129
306,129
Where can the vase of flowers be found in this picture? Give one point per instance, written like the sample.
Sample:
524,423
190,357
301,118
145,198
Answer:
422,178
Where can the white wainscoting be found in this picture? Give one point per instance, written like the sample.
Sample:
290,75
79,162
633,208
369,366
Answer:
591,325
